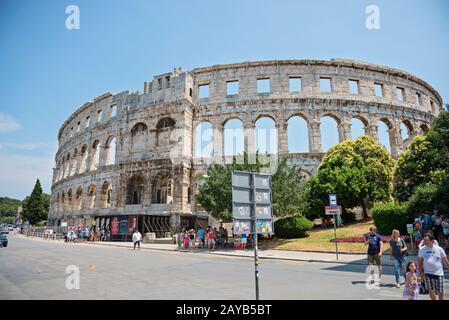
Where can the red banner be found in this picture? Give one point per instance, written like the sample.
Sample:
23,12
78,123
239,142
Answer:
114,226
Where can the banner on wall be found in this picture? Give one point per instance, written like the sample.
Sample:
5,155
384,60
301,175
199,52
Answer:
132,224
123,227
114,226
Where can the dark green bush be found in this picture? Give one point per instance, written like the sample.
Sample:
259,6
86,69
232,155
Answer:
391,215
292,227
423,199
348,216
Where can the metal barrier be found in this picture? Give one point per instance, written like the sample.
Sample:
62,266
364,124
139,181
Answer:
45,236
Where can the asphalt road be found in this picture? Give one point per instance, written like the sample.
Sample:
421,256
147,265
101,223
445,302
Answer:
36,269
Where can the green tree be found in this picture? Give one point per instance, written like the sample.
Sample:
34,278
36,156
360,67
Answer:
358,171
215,192
426,160
34,206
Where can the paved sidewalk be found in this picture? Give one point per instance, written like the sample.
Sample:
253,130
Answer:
345,258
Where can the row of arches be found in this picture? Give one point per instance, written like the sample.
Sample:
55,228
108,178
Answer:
87,158
265,135
77,199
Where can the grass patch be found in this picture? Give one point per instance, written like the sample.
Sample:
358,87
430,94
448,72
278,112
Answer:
319,240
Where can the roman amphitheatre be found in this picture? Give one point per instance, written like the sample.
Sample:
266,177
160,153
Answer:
138,154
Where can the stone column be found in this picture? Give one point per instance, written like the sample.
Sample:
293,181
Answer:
373,131
282,138
314,136
395,140
218,131
344,130
250,140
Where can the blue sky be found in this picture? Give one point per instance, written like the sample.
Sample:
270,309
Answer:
48,71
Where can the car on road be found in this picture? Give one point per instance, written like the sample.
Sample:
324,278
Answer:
3,241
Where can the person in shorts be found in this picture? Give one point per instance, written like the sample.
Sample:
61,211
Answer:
211,239
431,260
375,246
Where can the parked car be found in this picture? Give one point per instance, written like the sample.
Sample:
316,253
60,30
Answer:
3,241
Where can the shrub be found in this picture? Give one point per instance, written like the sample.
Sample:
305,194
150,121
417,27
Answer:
292,227
390,215
423,199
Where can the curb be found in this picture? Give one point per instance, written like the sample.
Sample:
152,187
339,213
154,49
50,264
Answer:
249,257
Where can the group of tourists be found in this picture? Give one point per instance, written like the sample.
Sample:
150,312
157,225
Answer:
438,224
210,238
421,277
86,234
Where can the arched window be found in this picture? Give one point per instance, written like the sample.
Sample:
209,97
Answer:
266,136
384,134
165,123
234,138
329,133
358,128
297,134
96,155
90,196
203,140
163,189
111,151
79,198
138,136
84,155
106,195
135,189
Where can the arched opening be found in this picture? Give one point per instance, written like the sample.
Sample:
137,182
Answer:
106,195
234,137
358,128
164,128
329,132
424,128
63,208
74,162
68,166
297,134
69,200
384,134
90,196
78,198
163,189
406,129
266,136
138,136
95,155
111,151
135,189
204,140
84,155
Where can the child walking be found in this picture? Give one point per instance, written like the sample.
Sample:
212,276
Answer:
411,288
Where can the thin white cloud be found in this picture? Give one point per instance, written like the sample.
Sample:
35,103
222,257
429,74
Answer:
7,123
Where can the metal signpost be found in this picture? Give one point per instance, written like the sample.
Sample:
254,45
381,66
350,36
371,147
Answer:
335,211
410,232
252,210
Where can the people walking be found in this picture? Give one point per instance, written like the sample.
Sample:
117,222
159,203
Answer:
210,239
192,239
397,254
243,241
431,260
412,280
137,238
417,234
375,247
445,225
200,234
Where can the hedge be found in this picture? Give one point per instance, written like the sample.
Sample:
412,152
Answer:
390,215
292,227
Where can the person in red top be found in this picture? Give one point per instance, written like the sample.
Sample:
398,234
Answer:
210,239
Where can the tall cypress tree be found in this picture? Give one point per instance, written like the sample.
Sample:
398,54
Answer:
34,210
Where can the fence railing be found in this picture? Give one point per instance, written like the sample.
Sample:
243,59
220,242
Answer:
43,235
